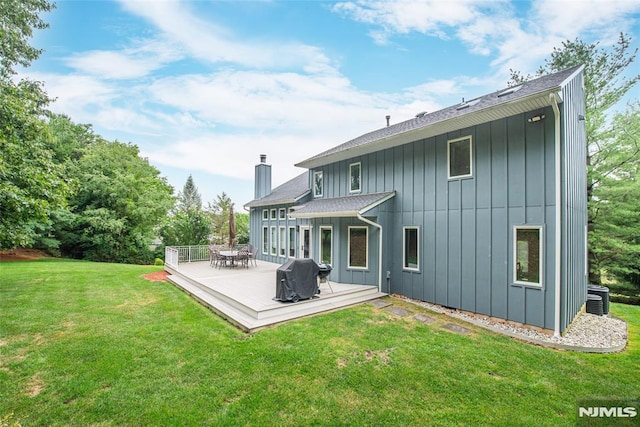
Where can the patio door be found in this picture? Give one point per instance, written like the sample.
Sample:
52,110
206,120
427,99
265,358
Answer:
305,241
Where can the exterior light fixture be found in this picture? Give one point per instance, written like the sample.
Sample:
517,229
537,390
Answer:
536,118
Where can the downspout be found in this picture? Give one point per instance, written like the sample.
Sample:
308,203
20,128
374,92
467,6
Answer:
379,227
558,241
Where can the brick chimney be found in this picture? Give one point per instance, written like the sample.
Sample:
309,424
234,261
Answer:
263,178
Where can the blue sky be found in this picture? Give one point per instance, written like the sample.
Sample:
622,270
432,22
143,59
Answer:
205,87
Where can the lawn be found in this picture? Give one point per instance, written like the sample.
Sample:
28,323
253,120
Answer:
86,343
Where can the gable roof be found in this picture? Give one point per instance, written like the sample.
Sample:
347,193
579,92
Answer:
289,192
346,206
522,98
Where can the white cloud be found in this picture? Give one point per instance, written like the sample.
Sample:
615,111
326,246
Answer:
432,17
519,40
74,93
263,100
216,44
132,62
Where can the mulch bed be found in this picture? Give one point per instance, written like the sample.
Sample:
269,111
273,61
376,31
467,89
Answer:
22,255
158,276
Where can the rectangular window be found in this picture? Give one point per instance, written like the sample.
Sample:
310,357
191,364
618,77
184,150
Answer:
318,184
283,241
265,214
528,255
459,157
325,244
355,174
274,242
411,249
265,240
292,242
282,213
357,247
273,214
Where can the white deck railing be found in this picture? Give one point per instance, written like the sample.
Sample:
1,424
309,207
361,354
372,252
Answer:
174,255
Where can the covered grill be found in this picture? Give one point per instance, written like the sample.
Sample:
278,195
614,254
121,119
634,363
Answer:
297,279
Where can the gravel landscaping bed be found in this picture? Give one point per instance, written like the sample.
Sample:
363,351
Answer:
588,332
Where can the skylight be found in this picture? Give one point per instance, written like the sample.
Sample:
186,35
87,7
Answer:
467,104
509,91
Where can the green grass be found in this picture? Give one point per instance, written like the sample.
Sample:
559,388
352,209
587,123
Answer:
96,344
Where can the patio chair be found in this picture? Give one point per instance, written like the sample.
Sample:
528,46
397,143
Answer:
217,259
212,256
253,256
243,258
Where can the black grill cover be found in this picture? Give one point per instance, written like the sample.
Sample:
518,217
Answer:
297,279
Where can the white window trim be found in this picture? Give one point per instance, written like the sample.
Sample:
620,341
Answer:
359,164
315,174
449,142
292,245
366,248
404,247
282,241
265,243
273,214
330,228
265,214
282,213
540,228
273,239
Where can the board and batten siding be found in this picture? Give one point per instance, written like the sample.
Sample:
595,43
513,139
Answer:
466,225
574,202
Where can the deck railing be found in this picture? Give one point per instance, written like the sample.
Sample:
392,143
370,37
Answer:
174,255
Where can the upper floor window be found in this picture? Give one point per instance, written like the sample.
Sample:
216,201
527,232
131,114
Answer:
355,175
459,157
273,214
265,214
318,184
282,213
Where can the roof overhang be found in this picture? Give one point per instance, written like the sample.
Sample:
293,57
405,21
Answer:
473,118
317,207
261,203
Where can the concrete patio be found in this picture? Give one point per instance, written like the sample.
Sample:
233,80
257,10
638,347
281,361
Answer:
244,296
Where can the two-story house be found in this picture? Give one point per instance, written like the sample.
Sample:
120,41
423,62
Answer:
481,206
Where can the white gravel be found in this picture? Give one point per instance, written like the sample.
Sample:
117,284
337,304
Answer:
587,333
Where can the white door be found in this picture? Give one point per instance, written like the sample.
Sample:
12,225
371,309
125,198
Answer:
305,242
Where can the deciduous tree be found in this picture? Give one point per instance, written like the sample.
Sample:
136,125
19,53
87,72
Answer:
31,183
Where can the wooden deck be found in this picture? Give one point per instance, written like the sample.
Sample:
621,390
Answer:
244,296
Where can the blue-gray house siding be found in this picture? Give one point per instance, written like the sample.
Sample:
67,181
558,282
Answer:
466,226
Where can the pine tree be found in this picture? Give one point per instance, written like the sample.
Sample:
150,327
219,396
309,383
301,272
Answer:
189,198
605,86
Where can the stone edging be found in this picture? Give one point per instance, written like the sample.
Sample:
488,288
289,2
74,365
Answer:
519,337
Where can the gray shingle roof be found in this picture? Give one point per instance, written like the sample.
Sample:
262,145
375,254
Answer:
341,206
487,102
289,192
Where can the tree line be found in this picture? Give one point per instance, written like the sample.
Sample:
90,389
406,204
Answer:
64,188
67,190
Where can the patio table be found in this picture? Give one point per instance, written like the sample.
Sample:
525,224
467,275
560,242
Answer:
231,255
